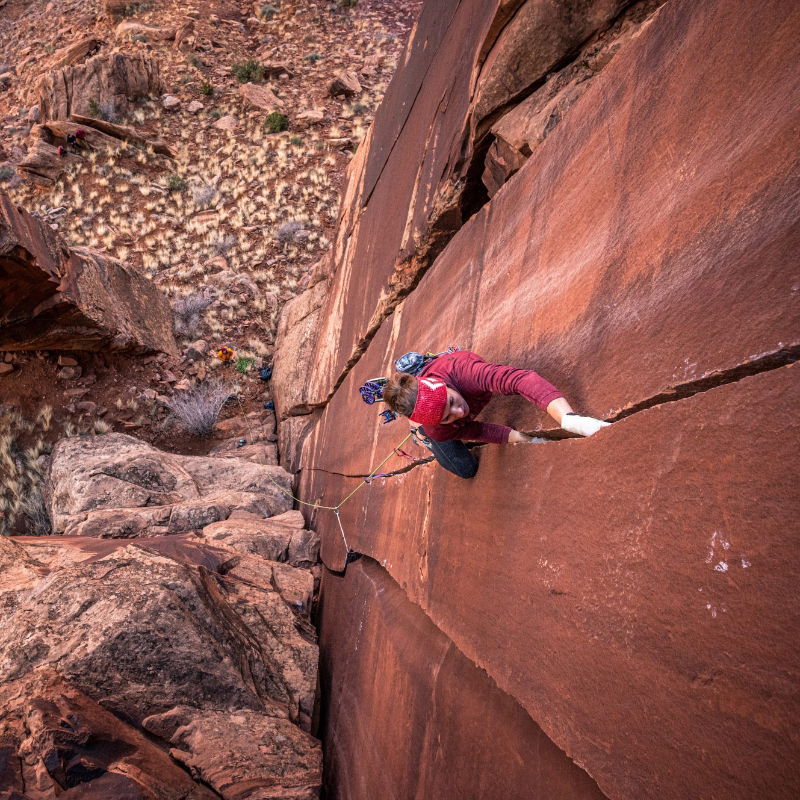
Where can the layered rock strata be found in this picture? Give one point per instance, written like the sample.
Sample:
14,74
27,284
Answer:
54,297
638,259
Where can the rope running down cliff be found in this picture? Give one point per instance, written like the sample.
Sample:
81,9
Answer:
335,508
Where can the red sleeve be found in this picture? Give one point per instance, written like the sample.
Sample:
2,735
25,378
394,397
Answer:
472,374
469,432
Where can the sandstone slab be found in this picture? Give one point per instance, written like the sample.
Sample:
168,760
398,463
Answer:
260,96
58,298
425,155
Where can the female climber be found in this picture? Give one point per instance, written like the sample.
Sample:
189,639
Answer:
454,388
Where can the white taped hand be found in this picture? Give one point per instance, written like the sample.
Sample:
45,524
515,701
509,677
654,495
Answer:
583,426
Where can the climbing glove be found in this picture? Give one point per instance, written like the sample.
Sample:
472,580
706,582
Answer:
583,426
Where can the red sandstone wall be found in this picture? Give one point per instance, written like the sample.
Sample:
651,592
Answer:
634,593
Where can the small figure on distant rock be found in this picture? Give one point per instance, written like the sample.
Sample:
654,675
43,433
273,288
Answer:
61,151
453,389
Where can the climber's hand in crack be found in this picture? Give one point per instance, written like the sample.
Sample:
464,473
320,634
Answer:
583,426
517,437
561,411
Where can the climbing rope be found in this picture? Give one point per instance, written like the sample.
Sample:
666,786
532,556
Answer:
366,481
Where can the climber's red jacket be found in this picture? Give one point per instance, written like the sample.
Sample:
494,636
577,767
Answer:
477,380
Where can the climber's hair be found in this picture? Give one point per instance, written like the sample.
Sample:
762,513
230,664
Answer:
400,393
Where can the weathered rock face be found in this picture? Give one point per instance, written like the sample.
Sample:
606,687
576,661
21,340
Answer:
56,298
178,668
610,586
103,81
118,486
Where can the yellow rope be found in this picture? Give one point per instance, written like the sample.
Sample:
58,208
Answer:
335,508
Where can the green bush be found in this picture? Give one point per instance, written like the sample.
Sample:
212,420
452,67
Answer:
6,173
175,183
206,88
313,57
296,141
248,71
276,122
348,3
243,364
268,11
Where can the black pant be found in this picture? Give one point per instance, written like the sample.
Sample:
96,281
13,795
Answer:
456,458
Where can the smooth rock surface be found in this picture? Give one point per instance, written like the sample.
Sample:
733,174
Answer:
609,585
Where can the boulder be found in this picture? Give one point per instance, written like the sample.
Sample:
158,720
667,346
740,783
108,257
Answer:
43,164
93,478
75,52
53,297
239,755
227,123
260,96
105,83
345,83
54,735
170,103
280,538
195,106
311,116
149,33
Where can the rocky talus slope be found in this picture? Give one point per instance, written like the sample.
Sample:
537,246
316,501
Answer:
605,192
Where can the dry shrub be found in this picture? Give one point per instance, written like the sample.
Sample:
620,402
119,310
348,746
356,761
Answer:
197,410
188,311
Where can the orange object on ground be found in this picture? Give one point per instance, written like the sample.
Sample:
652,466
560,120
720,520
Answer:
225,353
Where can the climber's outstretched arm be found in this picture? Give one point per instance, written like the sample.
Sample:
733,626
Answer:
561,411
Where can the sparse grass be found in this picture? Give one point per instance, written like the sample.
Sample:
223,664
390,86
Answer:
7,172
23,504
225,243
312,57
132,9
197,410
249,71
206,89
268,11
286,232
296,141
276,122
